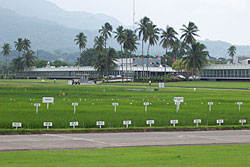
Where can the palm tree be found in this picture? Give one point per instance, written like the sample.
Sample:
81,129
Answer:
19,45
100,60
189,33
196,57
106,32
111,58
26,44
168,38
120,39
81,41
143,35
130,42
153,37
6,50
17,64
231,51
29,58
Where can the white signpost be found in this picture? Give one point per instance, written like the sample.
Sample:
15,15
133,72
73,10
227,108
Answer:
73,124
48,100
100,123
161,85
74,104
197,122
150,122
220,121
242,121
174,122
210,106
127,123
16,125
146,104
48,124
239,103
37,105
178,101
115,104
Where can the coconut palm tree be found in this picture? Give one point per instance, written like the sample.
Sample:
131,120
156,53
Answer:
168,38
120,36
130,45
111,58
153,37
100,60
26,44
106,32
6,50
29,58
81,41
189,32
143,35
231,51
196,57
17,64
19,45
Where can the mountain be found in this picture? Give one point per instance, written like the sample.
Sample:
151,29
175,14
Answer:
43,9
51,29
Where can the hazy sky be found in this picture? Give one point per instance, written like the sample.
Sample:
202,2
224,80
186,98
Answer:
227,20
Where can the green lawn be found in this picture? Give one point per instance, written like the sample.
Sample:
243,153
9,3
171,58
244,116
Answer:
191,156
208,84
95,104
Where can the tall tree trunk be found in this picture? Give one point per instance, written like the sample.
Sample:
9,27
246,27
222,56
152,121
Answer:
126,66
148,62
131,65
6,67
122,63
143,63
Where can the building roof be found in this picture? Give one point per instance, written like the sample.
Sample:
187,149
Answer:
226,66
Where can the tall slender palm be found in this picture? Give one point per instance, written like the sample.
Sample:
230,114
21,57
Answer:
29,58
153,37
130,45
189,32
26,44
143,35
231,51
120,39
196,57
106,32
81,41
100,60
168,38
19,45
6,50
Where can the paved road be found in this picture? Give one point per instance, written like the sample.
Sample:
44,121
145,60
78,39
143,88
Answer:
111,140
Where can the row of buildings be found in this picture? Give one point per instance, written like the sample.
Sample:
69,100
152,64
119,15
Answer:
239,70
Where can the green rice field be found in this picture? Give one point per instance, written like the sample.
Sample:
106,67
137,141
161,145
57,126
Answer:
17,98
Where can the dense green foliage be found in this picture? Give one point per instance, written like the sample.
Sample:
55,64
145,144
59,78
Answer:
191,156
95,103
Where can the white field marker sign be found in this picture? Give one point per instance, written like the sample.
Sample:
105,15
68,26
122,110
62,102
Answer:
242,121
127,123
197,122
48,100
239,103
220,121
115,104
178,101
48,124
100,123
37,105
161,85
174,122
146,104
210,106
150,122
74,104
73,124
16,125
